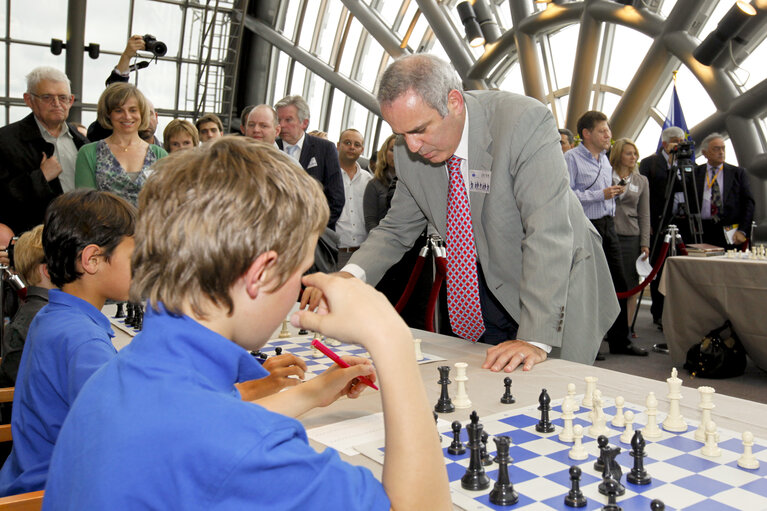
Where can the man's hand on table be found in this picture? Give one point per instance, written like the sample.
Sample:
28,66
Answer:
313,297
510,354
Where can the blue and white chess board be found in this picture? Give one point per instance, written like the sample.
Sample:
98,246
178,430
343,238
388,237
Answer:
681,476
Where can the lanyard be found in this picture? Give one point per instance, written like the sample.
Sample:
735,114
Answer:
710,182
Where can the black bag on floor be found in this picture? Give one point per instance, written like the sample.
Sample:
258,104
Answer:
719,355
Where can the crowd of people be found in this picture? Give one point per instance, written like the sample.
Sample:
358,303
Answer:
542,229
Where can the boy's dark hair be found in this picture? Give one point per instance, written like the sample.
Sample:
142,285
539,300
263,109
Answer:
80,218
588,120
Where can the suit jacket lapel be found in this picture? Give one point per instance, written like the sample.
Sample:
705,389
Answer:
306,151
728,176
480,158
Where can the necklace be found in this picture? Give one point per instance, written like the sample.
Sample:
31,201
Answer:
120,146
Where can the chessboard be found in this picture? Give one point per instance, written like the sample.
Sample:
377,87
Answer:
681,476
110,311
301,347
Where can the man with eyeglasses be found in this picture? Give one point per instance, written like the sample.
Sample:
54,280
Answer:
38,153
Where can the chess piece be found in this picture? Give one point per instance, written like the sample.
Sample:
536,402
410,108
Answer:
139,321
302,332
483,455
598,419
456,447
503,493
612,471
418,352
706,404
711,449
651,430
638,475
748,460
278,351
571,395
619,421
574,497
131,311
284,333
611,490
674,420
544,425
461,397
507,398
578,452
475,478
332,342
567,416
316,353
628,417
444,405
591,386
657,505
599,464
120,310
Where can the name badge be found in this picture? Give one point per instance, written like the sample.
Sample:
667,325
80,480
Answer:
634,188
479,181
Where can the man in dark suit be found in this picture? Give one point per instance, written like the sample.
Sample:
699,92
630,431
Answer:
655,169
317,156
38,153
726,202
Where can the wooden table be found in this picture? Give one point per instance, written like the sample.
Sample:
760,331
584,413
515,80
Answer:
701,293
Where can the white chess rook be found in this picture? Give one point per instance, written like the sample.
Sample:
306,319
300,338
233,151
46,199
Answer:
418,352
706,404
461,399
674,420
591,386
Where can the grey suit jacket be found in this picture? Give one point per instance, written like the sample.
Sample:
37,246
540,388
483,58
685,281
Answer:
540,255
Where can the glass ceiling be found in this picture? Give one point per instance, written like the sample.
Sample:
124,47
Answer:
354,40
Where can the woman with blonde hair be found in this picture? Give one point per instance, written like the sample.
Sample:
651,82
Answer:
121,162
378,194
632,212
180,134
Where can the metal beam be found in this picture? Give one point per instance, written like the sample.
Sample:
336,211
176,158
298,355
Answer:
527,53
75,53
373,23
313,64
583,69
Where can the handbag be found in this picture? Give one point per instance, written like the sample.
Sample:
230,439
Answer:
719,355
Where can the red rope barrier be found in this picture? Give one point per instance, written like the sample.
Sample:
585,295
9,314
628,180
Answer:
414,275
650,277
441,263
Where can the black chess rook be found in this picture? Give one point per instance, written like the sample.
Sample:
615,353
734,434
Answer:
444,405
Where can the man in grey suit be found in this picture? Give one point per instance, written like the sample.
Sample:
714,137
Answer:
544,285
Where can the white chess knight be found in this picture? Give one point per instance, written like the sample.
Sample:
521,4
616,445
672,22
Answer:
674,420
706,404
628,433
748,460
598,418
568,407
578,452
651,430
418,352
591,386
461,399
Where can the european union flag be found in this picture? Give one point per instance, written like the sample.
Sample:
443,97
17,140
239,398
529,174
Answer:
675,116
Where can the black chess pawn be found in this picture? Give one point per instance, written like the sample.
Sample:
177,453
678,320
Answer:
475,478
612,495
574,497
120,310
444,405
483,455
263,356
131,312
503,493
278,351
507,398
599,465
544,425
303,332
657,505
456,447
638,474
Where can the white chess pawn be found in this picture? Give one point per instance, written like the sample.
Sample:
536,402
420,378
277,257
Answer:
674,420
706,404
598,419
628,433
571,395
578,452
651,430
316,353
748,460
591,386
418,352
619,421
711,449
568,405
461,399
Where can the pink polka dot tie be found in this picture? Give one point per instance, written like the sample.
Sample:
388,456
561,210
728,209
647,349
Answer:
462,281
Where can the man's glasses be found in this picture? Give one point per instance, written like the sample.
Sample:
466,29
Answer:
50,98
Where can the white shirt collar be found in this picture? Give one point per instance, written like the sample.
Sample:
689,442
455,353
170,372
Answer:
45,133
462,151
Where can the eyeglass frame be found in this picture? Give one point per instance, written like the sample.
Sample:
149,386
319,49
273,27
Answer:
48,98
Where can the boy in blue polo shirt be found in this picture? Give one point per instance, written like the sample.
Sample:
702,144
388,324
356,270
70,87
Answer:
225,232
87,240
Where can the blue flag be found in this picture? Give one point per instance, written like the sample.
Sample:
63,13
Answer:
675,116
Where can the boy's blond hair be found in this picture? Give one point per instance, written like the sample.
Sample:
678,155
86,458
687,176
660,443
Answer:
28,255
207,213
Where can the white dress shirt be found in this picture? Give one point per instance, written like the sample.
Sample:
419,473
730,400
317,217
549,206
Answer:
350,226
65,150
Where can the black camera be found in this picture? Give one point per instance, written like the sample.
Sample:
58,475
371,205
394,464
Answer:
158,48
683,151
10,248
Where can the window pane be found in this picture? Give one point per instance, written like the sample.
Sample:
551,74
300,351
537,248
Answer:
336,112
328,31
347,59
754,66
291,16
629,49
95,73
158,83
512,81
39,20
297,84
25,58
310,19
649,136
609,102
563,45
370,62
111,36
3,9
160,20
280,75
314,98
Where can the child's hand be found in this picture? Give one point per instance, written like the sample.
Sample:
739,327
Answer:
284,371
337,381
356,312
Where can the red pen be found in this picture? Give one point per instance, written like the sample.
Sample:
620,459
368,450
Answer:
338,360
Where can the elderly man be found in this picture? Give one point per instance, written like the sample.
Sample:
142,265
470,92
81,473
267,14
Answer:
724,193
317,156
655,168
351,224
526,272
210,127
38,153
262,124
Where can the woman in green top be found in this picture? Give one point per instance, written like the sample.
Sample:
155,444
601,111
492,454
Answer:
121,162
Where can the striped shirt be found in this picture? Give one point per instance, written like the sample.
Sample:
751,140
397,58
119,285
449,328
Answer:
588,177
